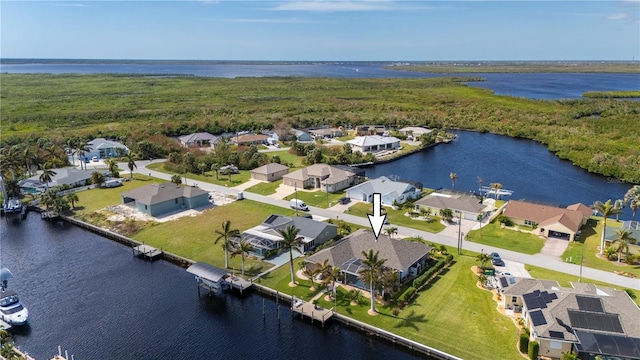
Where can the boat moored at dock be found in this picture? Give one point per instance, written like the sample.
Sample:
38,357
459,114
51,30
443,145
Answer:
11,310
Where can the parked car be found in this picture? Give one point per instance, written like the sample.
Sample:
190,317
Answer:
344,200
307,216
298,204
229,169
496,260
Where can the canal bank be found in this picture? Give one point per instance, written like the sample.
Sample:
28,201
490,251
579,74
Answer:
363,328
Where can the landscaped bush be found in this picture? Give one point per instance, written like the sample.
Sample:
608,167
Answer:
524,343
504,220
534,348
408,294
449,259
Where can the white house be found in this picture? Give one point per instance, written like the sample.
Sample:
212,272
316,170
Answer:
373,143
390,191
103,148
415,131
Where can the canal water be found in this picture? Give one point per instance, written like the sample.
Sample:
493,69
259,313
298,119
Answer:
524,166
91,296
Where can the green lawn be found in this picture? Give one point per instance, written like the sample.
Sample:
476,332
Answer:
193,237
289,158
566,279
280,278
317,198
265,188
493,235
590,239
396,217
95,199
208,177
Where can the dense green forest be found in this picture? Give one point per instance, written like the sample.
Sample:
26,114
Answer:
600,135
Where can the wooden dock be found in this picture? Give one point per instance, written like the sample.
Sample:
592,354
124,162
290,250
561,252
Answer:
147,252
311,311
237,283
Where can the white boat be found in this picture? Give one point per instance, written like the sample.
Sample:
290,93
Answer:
11,310
13,206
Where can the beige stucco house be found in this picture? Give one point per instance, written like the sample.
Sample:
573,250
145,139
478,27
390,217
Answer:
331,178
270,172
551,221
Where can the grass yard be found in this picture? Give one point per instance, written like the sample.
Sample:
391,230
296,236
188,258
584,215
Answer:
193,237
317,198
290,159
565,279
265,188
280,278
494,235
95,199
208,177
590,240
396,217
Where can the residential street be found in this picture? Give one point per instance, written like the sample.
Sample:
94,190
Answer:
446,238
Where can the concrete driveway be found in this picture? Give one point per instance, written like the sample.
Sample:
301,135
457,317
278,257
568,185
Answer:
554,248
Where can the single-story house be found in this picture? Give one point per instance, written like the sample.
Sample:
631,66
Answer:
159,199
468,205
103,148
327,132
513,288
588,319
415,131
64,176
408,258
202,139
361,130
552,221
266,239
373,143
302,136
248,139
331,178
269,172
389,190
298,135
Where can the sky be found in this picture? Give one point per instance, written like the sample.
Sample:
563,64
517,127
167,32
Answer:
321,30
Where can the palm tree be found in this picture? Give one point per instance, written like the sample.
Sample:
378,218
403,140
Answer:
113,168
82,148
389,281
484,259
72,197
605,209
371,273
47,175
243,248
496,188
130,158
331,275
632,197
97,178
226,234
453,176
311,274
619,204
215,167
291,241
176,179
390,231
48,199
623,238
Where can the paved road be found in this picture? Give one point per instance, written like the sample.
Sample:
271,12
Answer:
543,261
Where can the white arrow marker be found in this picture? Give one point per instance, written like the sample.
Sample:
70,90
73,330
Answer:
376,220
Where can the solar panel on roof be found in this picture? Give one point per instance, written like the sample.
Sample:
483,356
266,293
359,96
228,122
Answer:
503,282
531,300
589,303
537,317
556,334
595,321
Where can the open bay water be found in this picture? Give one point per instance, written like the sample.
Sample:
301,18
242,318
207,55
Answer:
524,166
547,86
90,295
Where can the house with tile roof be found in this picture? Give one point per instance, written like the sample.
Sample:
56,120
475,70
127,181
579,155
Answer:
389,190
160,199
586,318
468,205
373,143
269,172
327,132
64,176
201,139
266,239
331,178
408,258
551,221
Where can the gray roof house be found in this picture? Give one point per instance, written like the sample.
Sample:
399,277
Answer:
585,318
407,258
390,191
202,139
159,199
270,172
64,176
415,131
103,148
266,239
373,143
468,205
